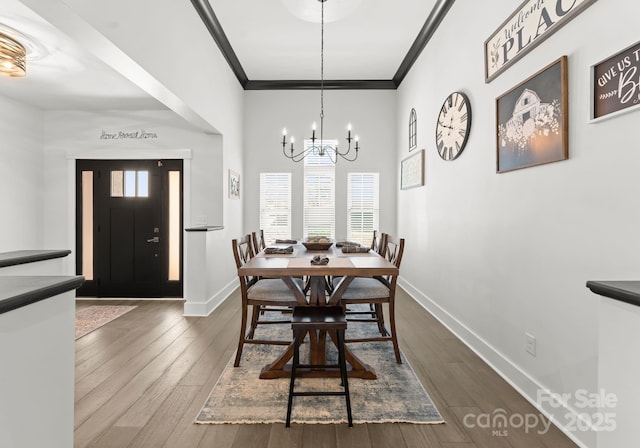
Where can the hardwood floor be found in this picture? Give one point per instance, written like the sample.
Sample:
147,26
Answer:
142,379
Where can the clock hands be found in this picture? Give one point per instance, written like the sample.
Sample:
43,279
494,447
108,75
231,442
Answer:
444,125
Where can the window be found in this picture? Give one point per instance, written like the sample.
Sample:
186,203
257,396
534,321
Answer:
413,130
319,194
363,209
275,206
129,184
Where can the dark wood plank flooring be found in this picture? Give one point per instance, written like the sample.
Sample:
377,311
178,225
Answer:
142,379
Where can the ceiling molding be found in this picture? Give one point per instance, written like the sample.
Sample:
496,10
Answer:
349,84
213,25
430,26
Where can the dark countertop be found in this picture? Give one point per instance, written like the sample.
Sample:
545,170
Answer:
19,291
29,256
625,291
203,228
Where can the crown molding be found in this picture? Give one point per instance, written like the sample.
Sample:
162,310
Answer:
215,29
430,26
349,84
437,14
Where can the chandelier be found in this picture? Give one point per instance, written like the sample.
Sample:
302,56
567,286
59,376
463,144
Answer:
12,57
319,146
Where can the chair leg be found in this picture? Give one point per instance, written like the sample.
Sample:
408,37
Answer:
379,315
294,365
394,337
255,312
343,374
243,328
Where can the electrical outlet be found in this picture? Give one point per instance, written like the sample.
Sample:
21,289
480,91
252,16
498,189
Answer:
530,345
201,220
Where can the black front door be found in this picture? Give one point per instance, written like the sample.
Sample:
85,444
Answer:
124,209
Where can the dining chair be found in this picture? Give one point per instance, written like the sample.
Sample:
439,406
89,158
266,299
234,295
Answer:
261,295
377,243
258,241
375,313
378,291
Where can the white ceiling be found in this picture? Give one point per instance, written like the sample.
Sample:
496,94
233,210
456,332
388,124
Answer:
364,39
60,73
273,40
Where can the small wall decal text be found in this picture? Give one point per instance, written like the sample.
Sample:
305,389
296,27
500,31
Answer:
132,135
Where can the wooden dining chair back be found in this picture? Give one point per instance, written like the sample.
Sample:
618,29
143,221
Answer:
377,291
378,243
258,241
268,299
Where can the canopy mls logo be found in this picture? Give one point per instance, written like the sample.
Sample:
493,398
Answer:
589,411
529,25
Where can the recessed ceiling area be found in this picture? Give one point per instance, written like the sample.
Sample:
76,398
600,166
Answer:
363,39
60,73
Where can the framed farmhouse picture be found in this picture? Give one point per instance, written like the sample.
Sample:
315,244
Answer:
532,120
234,185
412,171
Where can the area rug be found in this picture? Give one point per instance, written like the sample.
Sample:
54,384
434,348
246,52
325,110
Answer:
94,317
396,396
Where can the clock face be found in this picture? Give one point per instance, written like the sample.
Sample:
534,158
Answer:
454,124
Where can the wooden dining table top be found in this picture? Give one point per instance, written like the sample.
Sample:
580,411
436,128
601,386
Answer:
298,263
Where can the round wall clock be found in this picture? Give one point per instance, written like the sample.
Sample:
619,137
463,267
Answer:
454,124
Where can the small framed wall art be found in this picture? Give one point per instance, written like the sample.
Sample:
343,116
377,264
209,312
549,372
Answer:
413,130
533,120
412,171
616,83
234,185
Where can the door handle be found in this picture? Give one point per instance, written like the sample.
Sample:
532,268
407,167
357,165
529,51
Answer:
155,239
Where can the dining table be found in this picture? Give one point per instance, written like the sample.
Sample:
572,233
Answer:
324,286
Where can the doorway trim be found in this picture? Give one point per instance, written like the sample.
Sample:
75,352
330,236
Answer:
129,154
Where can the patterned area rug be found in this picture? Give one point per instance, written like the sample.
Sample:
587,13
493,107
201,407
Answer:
396,396
94,317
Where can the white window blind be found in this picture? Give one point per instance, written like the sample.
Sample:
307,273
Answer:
319,194
363,206
275,206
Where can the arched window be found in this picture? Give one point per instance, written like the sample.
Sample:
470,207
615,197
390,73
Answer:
413,130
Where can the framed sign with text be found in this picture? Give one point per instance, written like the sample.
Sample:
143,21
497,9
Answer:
616,83
412,171
526,28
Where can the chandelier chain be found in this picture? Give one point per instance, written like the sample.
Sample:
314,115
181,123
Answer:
316,147
322,73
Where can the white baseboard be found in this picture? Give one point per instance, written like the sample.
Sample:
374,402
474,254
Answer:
203,309
520,380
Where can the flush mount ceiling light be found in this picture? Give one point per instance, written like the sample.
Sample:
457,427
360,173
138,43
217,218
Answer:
308,9
317,146
13,57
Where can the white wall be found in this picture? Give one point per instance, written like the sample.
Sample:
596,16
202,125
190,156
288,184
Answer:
21,171
498,255
194,80
74,135
372,114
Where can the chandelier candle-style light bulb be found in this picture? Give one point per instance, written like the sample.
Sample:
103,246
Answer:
321,148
